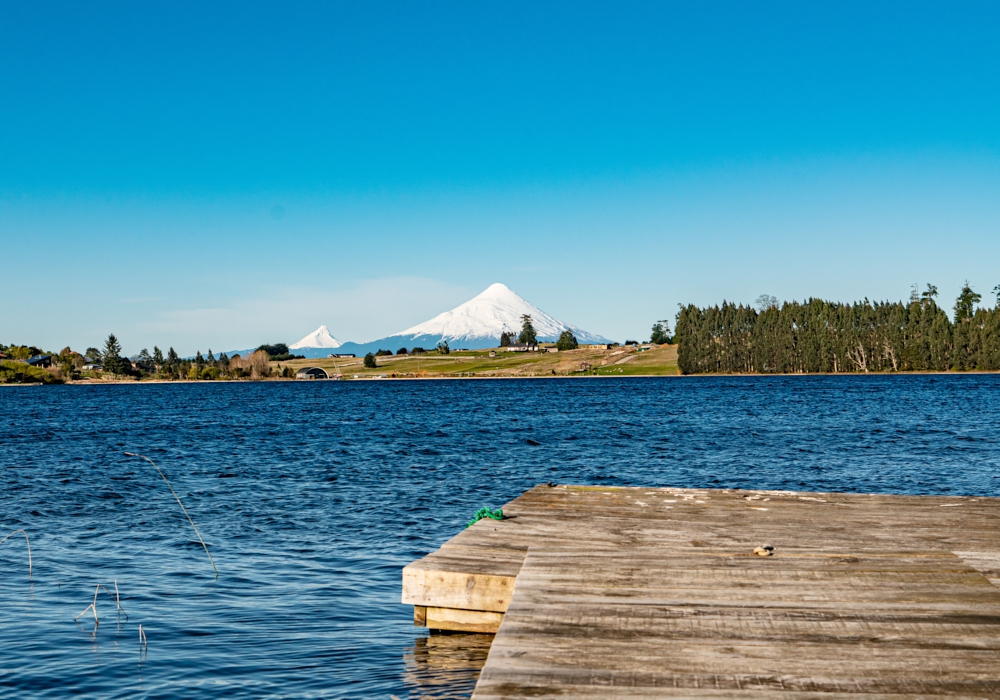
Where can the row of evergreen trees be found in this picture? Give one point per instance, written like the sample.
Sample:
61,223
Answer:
823,336
171,366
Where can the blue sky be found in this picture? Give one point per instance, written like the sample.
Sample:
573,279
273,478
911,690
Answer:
222,175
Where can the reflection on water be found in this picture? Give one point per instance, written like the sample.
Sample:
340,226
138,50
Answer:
445,665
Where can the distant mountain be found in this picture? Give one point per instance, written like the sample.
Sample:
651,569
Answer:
477,323
319,343
319,338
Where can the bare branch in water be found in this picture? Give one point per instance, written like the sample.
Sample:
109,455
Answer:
114,595
89,607
183,509
27,544
118,600
143,644
93,606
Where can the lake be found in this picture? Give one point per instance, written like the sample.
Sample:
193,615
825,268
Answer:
313,495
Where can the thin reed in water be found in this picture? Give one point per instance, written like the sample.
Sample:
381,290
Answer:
183,509
26,543
93,606
118,600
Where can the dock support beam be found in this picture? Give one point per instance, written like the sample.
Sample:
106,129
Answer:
455,620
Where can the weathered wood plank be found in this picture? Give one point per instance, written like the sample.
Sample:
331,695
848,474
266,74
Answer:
463,620
655,592
771,645
456,589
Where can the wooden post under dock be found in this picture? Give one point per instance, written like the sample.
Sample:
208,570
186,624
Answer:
601,592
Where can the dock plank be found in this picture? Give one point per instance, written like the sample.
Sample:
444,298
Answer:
655,592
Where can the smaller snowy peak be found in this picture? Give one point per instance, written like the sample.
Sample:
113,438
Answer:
319,338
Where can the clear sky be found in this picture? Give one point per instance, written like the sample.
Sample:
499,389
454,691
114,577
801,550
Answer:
225,174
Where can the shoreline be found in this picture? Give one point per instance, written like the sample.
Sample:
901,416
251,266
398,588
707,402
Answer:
114,382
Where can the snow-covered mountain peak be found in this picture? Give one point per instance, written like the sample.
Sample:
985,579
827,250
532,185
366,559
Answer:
486,316
498,290
319,338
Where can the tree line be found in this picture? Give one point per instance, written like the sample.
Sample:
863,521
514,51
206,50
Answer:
823,336
108,360
529,336
256,365
170,366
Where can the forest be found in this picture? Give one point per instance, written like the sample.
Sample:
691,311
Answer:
819,336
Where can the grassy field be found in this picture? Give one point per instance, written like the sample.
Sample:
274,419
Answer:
658,360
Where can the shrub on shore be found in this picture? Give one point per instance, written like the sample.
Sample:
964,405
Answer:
255,366
567,341
279,352
660,333
22,373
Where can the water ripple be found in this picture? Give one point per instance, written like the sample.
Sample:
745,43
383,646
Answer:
313,495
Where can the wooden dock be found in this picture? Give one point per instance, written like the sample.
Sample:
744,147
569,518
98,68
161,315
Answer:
597,592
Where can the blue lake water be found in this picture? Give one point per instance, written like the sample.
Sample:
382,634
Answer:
313,495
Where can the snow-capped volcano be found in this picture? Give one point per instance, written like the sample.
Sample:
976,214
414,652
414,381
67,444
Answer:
319,338
478,323
486,316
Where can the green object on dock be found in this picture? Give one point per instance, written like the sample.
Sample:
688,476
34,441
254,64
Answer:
485,513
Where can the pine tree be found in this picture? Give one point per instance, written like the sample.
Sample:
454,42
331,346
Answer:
211,358
990,355
939,339
157,357
505,339
111,358
527,336
967,299
370,361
